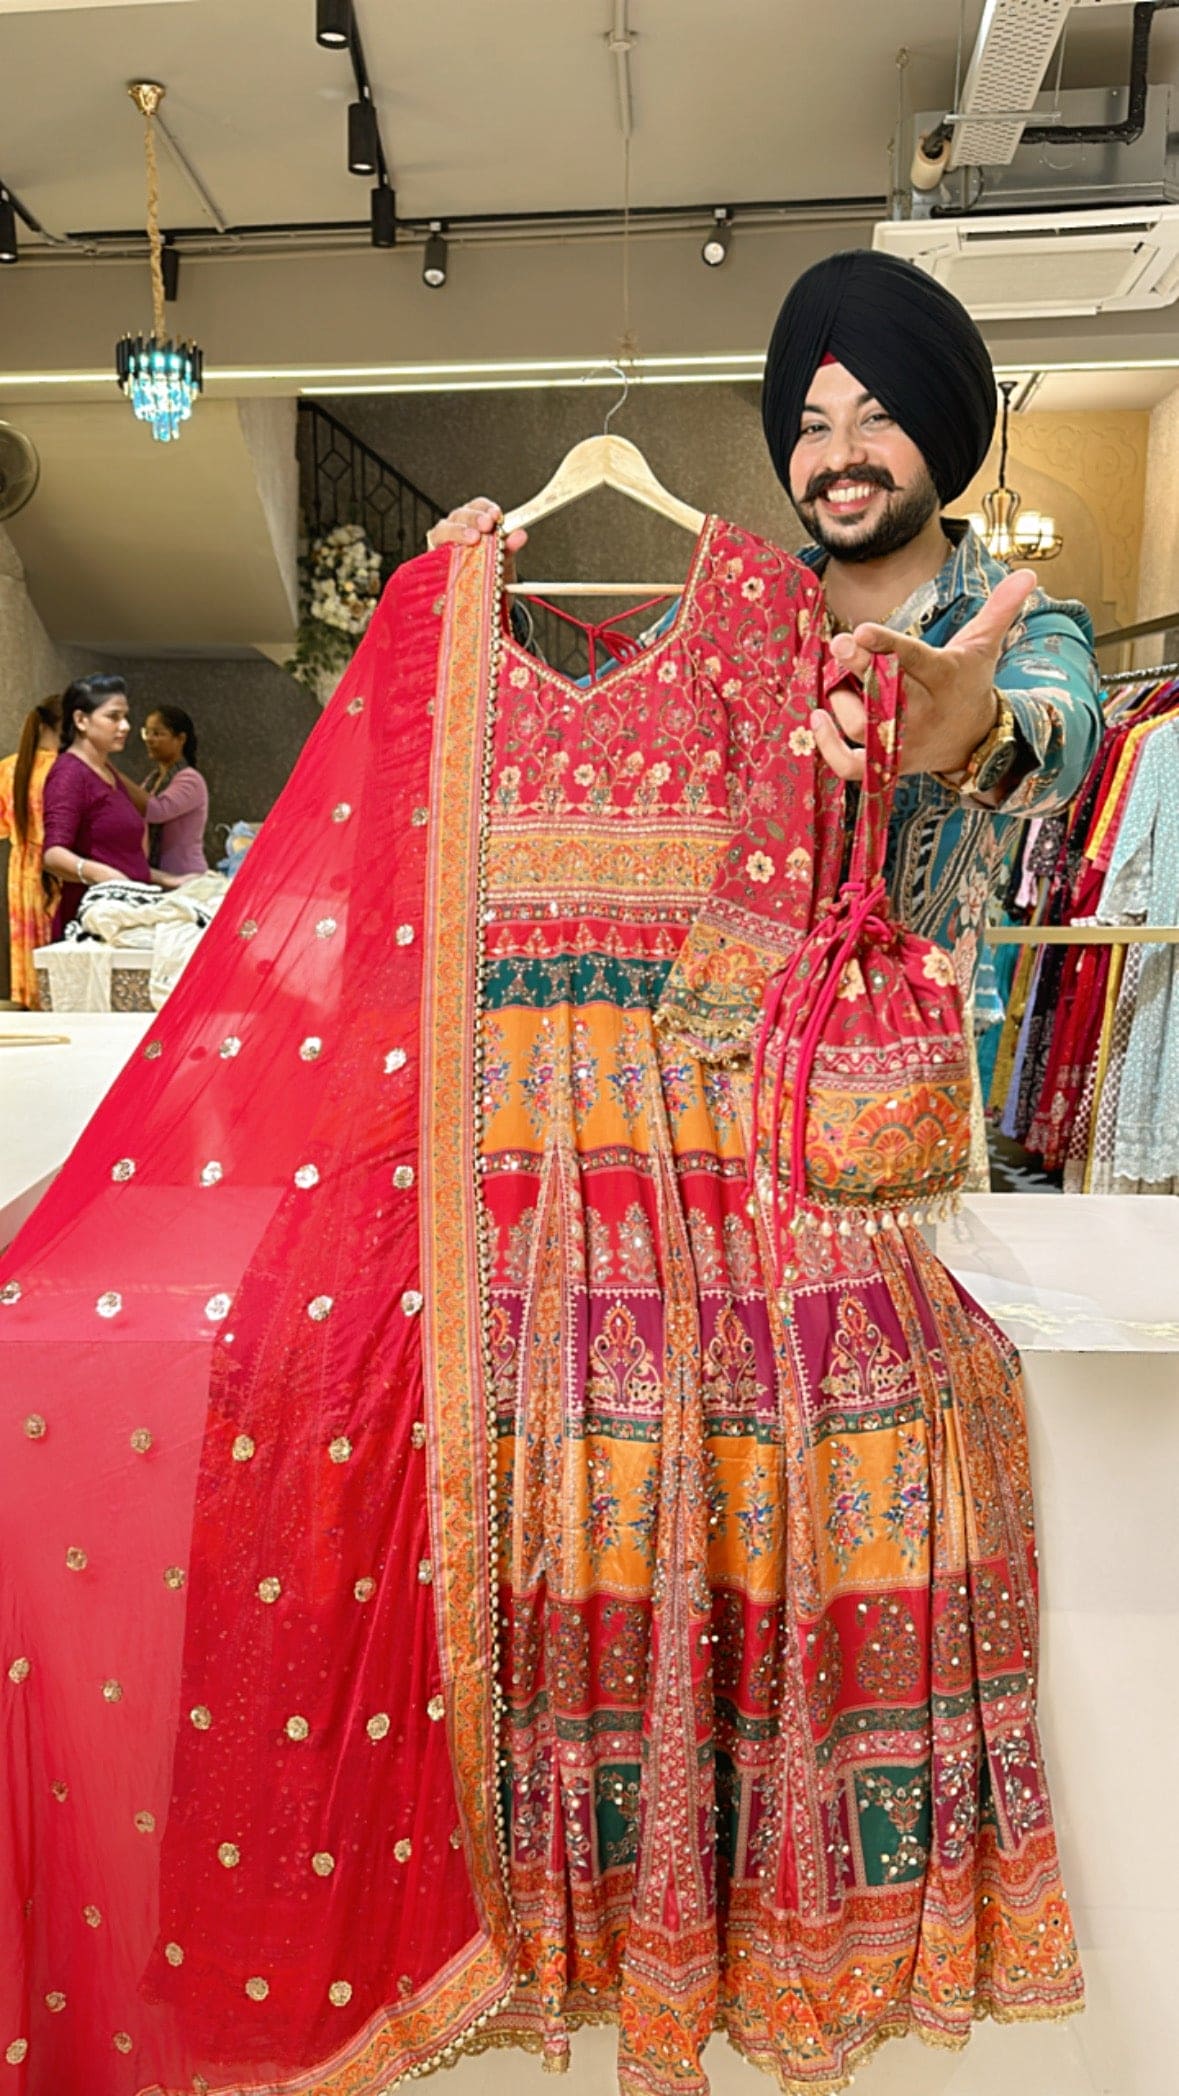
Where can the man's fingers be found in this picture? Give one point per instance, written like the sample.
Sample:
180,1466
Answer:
849,713
845,762
918,660
467,525
850,656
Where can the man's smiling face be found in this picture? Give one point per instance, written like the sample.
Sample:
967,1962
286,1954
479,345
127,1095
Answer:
859,484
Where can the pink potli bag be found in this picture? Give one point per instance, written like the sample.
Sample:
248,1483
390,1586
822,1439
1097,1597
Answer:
861,1073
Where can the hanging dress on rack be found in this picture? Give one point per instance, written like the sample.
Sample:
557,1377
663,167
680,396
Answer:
447,1599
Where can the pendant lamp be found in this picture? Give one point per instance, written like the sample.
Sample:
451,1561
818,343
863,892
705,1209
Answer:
160,378
1009,532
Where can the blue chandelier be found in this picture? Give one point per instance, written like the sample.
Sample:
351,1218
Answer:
159,377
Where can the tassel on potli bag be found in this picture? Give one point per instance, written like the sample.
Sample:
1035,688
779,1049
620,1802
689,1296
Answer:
862,1073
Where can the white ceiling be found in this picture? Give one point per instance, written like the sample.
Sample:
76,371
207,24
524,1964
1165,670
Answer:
485,105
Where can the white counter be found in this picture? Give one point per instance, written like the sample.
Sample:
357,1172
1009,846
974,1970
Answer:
48,1093
1089,1289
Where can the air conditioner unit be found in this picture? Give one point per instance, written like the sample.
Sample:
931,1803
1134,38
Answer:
1037,264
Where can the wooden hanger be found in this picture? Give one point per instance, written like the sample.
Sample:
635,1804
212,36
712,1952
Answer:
605,461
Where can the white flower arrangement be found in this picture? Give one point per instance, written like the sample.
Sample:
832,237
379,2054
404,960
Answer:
345,579
340,585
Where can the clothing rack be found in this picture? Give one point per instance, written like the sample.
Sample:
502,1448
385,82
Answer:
1156,671
1081,934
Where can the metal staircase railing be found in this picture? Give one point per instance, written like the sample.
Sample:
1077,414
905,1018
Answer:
342,480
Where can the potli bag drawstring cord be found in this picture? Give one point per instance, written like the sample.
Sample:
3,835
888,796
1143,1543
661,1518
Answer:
831,945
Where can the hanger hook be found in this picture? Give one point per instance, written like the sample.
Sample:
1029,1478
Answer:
623,397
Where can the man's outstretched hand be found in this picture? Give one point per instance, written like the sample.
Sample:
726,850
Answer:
950,702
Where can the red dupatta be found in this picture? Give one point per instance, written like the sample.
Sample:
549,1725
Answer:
246,1655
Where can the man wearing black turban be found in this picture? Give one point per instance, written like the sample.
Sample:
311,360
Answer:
878,406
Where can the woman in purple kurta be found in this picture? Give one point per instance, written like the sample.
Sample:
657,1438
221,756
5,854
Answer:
93,830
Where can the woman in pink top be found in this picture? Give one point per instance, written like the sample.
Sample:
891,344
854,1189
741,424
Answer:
177,806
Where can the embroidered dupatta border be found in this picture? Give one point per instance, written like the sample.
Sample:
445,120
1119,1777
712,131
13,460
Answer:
459,1385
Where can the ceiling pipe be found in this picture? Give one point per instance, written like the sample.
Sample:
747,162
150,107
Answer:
1134,121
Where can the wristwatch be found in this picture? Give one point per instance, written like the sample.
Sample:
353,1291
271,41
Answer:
991,761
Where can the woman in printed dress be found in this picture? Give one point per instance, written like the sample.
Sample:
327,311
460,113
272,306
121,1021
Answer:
22,792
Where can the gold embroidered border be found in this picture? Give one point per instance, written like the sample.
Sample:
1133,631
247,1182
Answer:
455,1319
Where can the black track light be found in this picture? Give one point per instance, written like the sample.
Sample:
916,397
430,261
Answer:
170,266
333,24
9,251
362,139
434,257
716,247
384,217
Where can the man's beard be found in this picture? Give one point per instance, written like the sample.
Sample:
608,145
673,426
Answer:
904,519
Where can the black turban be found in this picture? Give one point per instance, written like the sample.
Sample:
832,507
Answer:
910,343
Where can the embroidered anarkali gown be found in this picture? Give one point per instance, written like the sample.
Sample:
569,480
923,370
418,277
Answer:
554,1622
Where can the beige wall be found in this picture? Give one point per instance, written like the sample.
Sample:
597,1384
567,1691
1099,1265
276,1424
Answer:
31,665
1159,583
1089,472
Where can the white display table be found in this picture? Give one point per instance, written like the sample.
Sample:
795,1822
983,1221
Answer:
1089,1289
47,1095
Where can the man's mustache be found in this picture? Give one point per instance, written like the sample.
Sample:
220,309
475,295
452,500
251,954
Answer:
873,476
